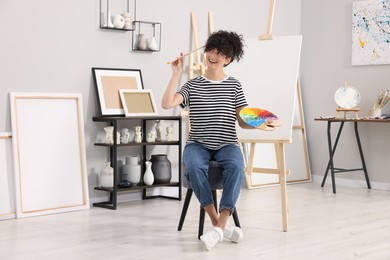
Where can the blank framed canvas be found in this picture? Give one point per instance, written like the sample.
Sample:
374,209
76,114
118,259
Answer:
49,153
7,184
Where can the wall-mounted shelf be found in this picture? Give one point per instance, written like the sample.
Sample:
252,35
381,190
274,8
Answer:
146,36
108,11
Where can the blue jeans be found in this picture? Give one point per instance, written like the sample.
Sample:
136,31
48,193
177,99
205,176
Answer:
196,161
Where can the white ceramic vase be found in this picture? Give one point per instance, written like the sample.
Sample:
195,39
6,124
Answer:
106,177
109,21
131,171
109,134
141,43
148,175
152,45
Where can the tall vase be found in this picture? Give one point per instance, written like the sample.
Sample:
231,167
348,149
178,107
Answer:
106,177
161,168
131,171
148,175
109,20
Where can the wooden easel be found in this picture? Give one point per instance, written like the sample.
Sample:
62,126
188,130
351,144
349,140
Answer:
346,111
199,66
279,145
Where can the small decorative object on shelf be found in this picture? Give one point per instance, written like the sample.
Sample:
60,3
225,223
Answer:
131,171
161,168
169,133
148,175
141,42
158,131
107,20
146,36
106,177
109,134
151,137
137,134
125,136
118,21
152,45
121,19
127,17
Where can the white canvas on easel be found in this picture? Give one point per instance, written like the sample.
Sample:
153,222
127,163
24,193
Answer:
297,161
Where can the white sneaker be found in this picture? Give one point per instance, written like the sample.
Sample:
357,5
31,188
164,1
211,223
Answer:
211,238
233,233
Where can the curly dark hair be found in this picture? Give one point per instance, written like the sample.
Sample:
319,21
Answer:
229,44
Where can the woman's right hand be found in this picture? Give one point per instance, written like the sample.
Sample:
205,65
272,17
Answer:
177,65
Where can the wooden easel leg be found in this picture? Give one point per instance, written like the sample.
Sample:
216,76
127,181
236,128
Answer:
280,158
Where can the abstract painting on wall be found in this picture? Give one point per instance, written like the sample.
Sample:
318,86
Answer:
371,32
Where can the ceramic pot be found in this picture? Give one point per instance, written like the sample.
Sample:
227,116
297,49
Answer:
109,134
161,168
152,45
106,177
375,112
148,175
131,171
141,43
118,21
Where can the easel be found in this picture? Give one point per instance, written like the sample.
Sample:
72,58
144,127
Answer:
279,145
346,111
199,67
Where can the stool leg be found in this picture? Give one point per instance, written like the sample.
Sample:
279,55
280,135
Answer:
185,208
214,192
235,218
202,214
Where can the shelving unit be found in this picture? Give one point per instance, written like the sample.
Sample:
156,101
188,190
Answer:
150,30
104,15
113,121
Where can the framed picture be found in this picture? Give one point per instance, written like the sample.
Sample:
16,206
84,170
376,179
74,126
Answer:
138,102
370,33
109,81
48,153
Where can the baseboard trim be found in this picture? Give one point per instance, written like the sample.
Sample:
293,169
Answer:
353,183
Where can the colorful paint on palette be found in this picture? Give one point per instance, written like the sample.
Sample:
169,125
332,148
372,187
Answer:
259,118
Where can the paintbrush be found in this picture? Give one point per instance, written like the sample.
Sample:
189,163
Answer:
169,62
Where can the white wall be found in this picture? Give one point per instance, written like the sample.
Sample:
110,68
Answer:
50,46
326,64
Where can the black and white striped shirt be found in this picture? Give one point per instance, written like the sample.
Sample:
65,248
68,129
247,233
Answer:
213,110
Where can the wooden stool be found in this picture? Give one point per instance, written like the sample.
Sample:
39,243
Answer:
216,183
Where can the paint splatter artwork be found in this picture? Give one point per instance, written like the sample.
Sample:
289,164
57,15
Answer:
259,118
371,32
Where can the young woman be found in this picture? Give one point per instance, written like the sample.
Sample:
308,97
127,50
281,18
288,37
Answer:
214,100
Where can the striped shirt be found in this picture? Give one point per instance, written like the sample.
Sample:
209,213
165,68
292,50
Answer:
212,107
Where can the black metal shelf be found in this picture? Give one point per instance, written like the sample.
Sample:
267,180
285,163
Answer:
113,121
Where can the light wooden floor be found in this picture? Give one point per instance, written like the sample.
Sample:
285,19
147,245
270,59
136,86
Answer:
353,224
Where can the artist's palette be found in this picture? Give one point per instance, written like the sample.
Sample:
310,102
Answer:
259,118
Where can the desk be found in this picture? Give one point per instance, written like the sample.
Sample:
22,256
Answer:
332,147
